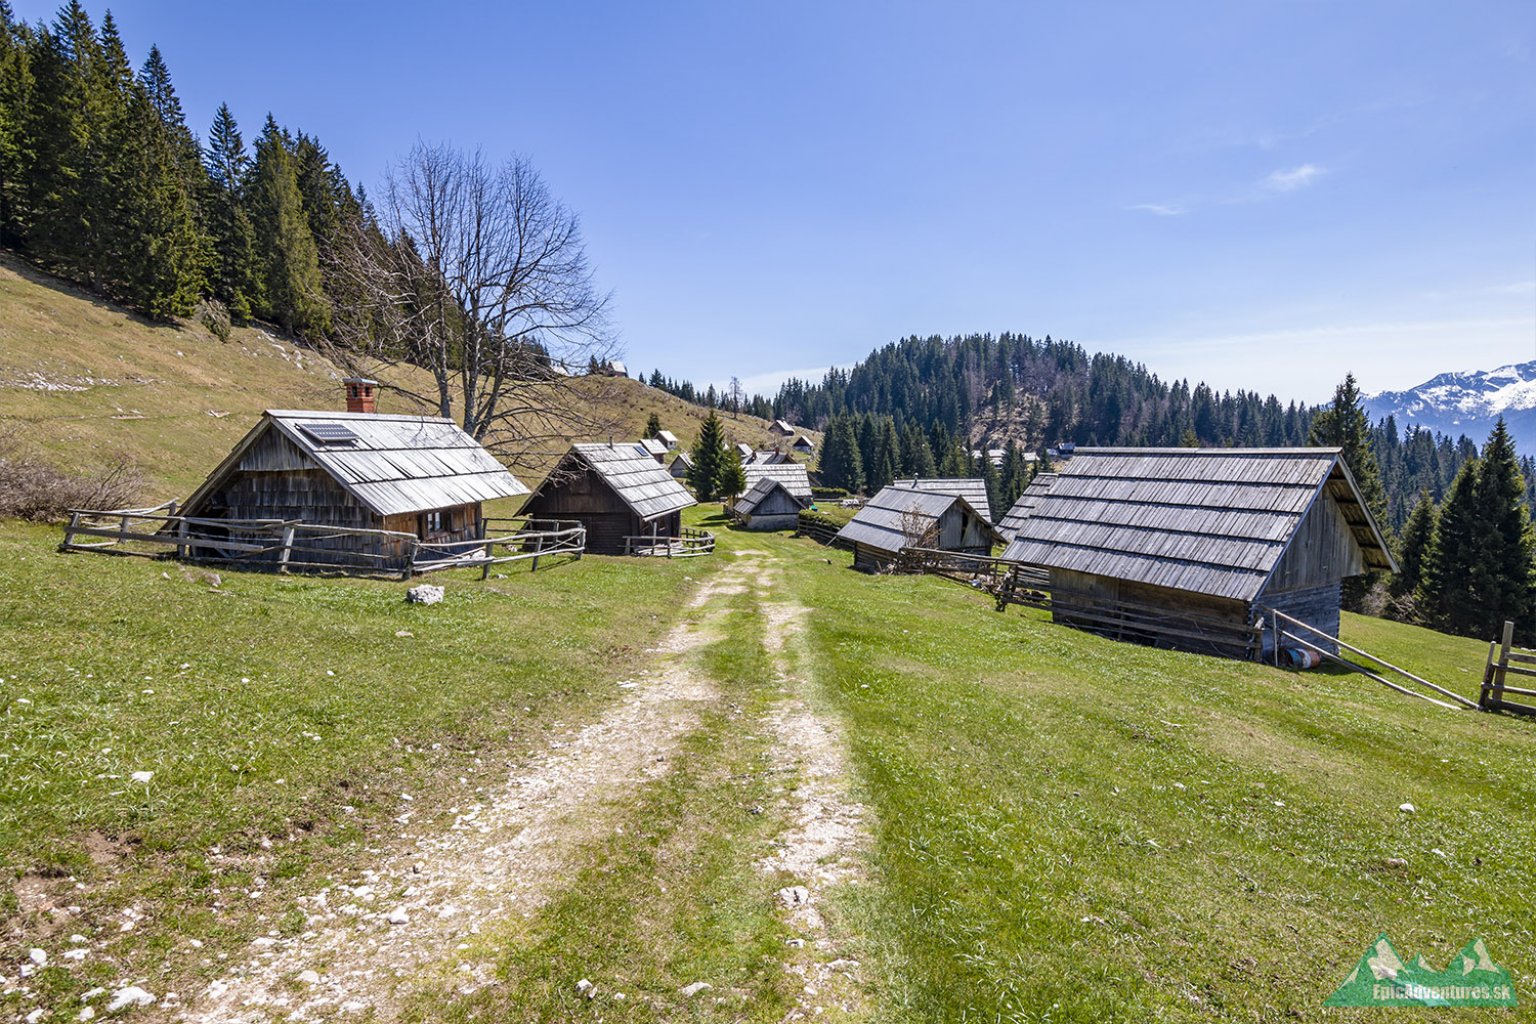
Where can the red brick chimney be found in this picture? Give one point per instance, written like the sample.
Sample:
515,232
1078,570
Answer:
360,394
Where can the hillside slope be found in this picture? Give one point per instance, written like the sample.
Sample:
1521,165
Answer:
83,380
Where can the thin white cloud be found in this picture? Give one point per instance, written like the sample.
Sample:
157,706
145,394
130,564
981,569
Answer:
1293,179
1161,209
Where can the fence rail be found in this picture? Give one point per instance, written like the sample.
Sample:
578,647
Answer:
690,543
291,544
1285,627
1504,660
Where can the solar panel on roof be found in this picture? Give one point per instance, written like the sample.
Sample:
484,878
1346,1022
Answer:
328,433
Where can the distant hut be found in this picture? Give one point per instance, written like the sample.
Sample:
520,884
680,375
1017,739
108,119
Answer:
902,517
792,475
770,458
667,438
653,448
972,489
769,505
803,445
1189,548
746,453
782,428
361,470
1026,505
624,499
680,466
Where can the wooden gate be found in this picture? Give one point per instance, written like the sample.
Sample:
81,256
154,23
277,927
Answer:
1504,659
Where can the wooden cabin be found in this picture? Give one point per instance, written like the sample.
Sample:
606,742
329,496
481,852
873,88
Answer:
782,428
667,438
901,516
680,466
1193,548
804,445
972,489
619,494
769,505
418,475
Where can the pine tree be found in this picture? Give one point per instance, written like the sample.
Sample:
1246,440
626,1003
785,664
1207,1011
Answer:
1015,475
1405,586
709,459
294,294
653,425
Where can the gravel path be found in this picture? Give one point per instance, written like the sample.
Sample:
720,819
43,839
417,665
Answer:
418,903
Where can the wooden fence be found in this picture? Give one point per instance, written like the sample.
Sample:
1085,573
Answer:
691,543
290,544
816,526
1289,630
1118,618
1504,660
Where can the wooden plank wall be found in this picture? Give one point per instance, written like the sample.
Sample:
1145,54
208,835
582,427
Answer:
1323,550
1319,607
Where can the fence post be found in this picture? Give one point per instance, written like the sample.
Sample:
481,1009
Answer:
122,529
1498,672
69,531
538,548
282,560
181,537
1485,697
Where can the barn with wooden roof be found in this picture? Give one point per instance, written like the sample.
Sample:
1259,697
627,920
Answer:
419,477
793,475
902,517
629,503
1192,548
769,504
972,489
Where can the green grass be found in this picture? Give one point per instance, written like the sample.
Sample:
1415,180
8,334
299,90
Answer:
1064,828
1078,830
281,717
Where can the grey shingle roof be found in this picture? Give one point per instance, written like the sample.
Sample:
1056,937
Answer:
1210,521
652,446
392,464
972,489
791,474
1026,505
882,522
759,491
642,483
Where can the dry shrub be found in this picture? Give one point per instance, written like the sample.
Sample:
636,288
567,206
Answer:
32,489
214,317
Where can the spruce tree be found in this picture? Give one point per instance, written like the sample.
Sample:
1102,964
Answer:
840,464
1507,541
709,458
887,461
294,295
236,276
1448,579
16,148
1343,425
652,425
733,477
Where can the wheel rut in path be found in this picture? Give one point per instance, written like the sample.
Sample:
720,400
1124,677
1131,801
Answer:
505,854
822,848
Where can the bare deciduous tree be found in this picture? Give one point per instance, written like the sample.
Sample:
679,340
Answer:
479,275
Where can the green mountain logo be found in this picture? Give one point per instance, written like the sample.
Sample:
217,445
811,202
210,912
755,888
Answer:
1382,978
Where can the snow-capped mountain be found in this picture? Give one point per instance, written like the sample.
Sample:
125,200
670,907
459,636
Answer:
1468,403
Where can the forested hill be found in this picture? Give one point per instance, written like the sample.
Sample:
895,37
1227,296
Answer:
989,391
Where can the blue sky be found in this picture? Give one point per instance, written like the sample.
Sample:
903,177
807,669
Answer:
1262,195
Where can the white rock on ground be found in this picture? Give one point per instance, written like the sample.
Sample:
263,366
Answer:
130,996
699,986
424,593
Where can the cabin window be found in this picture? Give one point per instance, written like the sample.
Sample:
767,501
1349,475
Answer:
430,523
